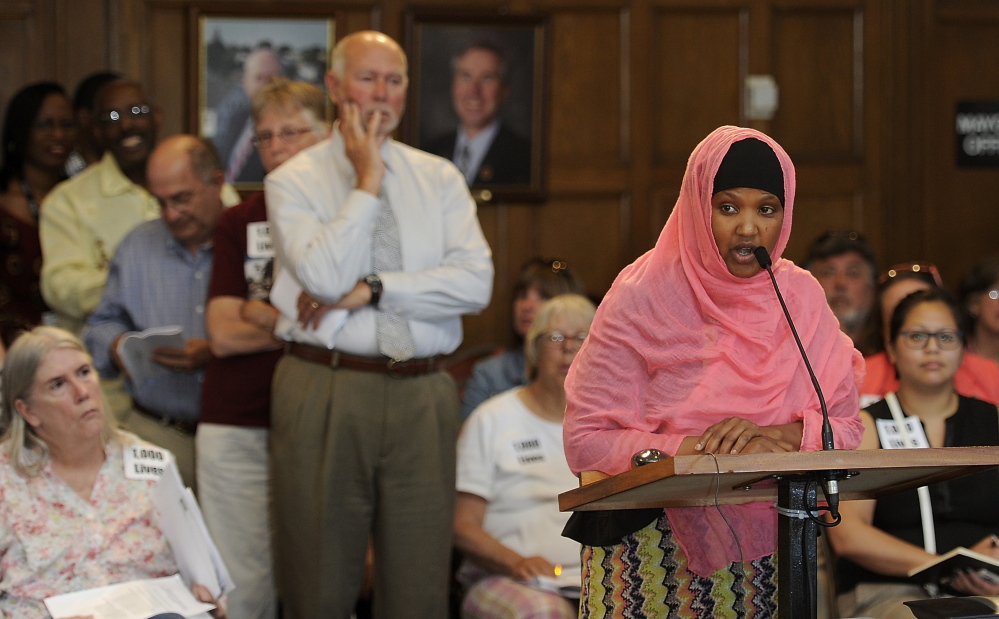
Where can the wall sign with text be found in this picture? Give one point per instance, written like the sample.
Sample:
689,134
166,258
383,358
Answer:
976,126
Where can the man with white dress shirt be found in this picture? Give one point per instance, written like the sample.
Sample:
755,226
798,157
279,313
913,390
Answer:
363,433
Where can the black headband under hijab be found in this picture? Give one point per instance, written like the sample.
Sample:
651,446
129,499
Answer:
750,163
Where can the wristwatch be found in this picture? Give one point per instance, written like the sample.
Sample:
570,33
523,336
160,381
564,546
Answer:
376,288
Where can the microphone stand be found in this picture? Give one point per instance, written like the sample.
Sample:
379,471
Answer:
796,499
831,479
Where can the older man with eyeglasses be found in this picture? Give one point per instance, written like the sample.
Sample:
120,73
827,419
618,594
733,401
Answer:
234,429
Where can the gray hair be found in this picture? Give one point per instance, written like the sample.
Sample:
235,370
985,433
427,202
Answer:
284,95
571,305
28,452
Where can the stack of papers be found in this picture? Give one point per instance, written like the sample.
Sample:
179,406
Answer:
184,528
567,584
197,559
138,599
136,348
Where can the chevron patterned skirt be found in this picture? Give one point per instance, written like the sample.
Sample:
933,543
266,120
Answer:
646,576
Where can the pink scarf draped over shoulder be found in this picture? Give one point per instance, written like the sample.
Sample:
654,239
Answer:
679,344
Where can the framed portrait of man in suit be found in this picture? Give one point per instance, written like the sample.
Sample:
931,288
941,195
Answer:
477,93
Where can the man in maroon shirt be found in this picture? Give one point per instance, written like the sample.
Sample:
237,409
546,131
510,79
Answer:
232,439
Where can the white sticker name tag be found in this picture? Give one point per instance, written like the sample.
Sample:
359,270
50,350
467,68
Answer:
529,450
258,240
891,437
145,462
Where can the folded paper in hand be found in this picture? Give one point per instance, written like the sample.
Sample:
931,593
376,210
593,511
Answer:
137,599
184,528
136,350
567,584
284,296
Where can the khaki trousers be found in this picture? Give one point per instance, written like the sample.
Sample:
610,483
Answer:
359,454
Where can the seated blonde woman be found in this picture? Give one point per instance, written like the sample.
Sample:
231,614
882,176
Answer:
71,516
511,468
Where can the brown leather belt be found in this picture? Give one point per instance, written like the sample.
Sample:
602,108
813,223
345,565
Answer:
378,365
188,427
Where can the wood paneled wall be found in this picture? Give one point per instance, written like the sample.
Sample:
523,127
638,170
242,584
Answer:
867,95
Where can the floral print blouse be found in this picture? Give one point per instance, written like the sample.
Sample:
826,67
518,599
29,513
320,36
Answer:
52,541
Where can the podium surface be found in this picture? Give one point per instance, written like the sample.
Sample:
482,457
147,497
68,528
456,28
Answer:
788,480
689,481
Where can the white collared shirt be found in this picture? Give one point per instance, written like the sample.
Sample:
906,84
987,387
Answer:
478,147
322,227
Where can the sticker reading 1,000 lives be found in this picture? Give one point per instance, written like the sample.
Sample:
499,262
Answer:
145,462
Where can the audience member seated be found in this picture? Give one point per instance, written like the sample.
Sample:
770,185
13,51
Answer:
979,297
88,148
976,377
159,277
71,516
511,468
85,218
38,133
232,438
845,265
880,541
539,280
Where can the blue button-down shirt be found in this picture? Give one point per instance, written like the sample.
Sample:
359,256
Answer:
153,281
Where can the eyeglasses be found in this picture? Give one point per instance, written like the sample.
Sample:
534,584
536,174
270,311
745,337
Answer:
947,339
135,112
914,267
557,339
558,265
287,136
49,125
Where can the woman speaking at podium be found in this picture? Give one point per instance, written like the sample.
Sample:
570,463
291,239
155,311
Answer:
690,353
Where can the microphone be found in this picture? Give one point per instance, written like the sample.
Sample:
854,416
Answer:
832,485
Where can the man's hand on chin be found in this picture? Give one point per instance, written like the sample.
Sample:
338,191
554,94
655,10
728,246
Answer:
363,146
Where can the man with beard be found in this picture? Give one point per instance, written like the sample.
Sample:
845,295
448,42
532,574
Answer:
84,218
363,434
844,264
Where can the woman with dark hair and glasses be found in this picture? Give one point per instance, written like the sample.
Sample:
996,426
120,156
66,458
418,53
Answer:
979,297
38,135
540,279
881,540
977,376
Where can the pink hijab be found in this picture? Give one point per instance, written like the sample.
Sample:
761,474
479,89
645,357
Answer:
679,343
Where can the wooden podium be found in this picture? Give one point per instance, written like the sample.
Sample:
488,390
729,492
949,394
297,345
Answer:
790,481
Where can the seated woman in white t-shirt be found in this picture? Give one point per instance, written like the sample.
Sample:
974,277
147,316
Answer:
511,468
